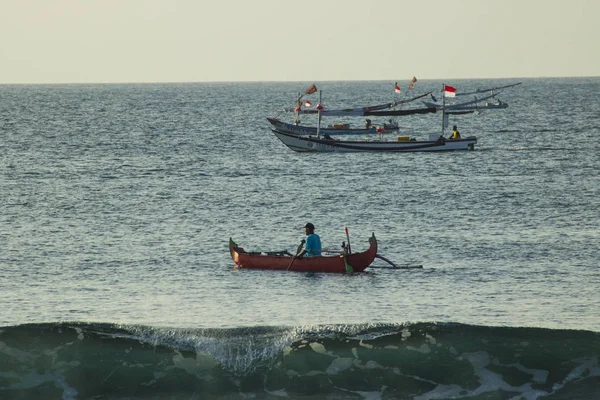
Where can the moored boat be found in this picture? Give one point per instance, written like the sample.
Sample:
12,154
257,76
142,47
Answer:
354,262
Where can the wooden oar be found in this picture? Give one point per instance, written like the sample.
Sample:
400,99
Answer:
348,266
297,251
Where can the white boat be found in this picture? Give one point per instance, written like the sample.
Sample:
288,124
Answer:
404,144
370,127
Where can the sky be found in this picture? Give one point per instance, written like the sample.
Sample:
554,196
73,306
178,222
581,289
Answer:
106,41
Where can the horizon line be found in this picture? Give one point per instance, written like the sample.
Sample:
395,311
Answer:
286,81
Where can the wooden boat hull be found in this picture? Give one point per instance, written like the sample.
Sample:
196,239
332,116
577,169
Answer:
357,262
312,130
322,145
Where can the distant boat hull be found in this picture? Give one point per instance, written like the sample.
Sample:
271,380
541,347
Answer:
322,145
471,107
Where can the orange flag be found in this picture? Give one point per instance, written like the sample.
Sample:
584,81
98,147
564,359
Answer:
412,83
311,89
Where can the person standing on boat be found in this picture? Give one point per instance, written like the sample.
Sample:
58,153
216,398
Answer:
455,133
312,247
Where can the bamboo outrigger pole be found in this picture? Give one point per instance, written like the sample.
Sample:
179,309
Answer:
394,266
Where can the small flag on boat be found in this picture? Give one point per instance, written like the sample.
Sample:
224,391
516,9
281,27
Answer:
312,89
412,83
307,103
397,88
320,107
449,91
297,109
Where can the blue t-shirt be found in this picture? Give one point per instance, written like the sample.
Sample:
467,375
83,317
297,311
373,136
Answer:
313,245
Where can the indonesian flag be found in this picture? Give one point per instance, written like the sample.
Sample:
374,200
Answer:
312,89
307,103
449,91
320,107
397,88
412,83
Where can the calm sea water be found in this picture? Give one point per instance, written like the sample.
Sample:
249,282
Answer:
117,203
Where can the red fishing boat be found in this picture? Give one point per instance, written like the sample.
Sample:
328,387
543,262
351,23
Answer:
354,262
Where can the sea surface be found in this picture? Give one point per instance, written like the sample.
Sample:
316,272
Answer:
117,203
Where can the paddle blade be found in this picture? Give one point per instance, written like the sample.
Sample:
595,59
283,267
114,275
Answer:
348,266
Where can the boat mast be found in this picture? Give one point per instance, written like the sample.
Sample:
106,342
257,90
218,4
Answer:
319,106
443,108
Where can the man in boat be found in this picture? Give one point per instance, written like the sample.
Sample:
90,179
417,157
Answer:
312,246
455,133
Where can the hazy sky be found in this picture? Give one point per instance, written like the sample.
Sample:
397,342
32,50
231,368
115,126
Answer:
48,41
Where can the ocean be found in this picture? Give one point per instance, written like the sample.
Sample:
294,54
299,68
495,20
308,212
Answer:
118,201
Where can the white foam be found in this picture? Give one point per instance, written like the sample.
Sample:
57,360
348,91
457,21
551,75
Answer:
424,349
339,364
317,347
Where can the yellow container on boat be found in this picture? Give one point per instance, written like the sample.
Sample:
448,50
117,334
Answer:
341,126
404,138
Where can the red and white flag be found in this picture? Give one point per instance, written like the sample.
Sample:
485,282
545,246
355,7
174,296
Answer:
449,91
307,103
320,107
397,88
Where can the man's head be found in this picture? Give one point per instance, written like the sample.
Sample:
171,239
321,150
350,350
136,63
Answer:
310,228
454,127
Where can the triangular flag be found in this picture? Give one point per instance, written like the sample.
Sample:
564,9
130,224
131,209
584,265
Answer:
308,103
397,88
